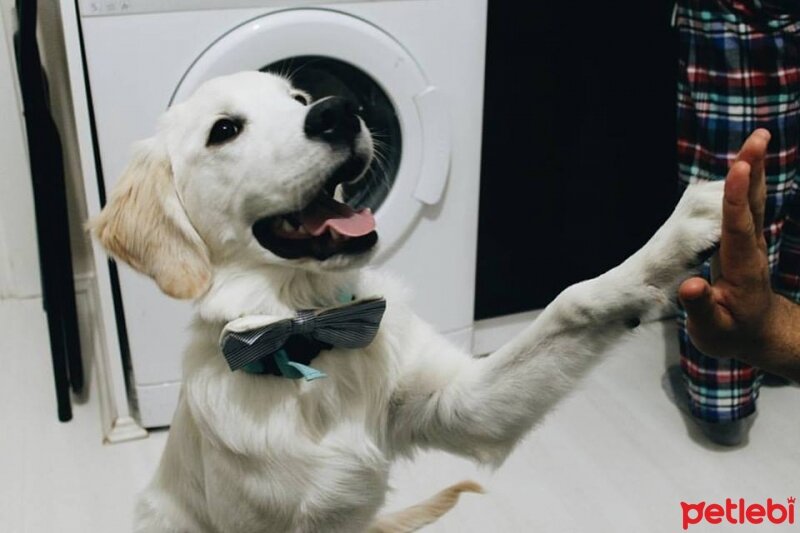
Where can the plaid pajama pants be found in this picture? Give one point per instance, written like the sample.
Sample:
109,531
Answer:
740,70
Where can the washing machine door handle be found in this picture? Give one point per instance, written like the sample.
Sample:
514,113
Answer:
436,142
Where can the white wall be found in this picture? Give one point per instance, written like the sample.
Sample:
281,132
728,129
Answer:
19,268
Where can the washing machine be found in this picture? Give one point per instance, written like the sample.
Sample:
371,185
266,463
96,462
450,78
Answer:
414,67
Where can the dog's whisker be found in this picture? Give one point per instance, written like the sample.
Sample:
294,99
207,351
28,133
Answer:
304,65
380,172
377,143
381,155
282,71
287,68
378,134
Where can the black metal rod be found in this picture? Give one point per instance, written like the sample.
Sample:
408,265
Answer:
52,221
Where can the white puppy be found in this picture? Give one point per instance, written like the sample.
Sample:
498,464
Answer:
220,206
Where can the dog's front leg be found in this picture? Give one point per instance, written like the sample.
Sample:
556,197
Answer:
481,407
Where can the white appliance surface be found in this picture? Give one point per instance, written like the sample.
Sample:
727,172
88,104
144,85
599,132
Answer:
99,8
427,56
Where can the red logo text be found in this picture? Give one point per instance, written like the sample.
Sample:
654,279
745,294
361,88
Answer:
738,512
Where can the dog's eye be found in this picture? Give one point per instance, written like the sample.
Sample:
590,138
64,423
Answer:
223,130
300,97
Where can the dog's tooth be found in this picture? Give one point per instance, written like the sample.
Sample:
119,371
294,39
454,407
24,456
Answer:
302,230
285,226
338,193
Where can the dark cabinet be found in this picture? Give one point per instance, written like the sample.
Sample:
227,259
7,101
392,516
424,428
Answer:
578,166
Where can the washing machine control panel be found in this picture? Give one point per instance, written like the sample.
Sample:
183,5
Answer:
93,8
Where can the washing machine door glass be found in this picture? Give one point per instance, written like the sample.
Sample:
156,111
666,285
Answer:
325,76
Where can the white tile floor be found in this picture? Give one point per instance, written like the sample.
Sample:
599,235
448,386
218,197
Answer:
615,457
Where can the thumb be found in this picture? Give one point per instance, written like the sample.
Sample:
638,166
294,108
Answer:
704,313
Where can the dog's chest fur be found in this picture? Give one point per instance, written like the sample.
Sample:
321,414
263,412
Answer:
247,450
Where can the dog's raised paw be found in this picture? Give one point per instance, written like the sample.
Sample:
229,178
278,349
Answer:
698,217
688,236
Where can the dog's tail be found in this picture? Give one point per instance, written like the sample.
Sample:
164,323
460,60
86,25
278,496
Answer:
424,513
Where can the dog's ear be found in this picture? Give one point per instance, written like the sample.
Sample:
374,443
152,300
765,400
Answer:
145,225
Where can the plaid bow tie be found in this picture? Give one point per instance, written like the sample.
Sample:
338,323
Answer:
252,338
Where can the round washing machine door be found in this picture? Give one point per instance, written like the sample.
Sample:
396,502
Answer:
329,53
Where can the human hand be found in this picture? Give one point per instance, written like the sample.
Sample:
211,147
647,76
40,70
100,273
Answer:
735,316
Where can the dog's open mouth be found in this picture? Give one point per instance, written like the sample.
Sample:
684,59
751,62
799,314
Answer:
324,228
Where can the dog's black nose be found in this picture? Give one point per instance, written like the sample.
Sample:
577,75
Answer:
333,120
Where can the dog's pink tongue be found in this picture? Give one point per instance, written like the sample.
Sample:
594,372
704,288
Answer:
328,213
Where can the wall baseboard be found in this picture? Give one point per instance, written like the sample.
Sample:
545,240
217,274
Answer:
117,426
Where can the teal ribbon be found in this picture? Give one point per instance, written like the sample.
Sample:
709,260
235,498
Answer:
292,370
345,297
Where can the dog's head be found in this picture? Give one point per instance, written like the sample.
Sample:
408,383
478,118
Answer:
245,171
